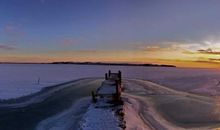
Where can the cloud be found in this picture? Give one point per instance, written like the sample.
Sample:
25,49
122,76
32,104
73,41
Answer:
7,47
68,42
214,59
209,62
208,51
187,49
12,30
164,46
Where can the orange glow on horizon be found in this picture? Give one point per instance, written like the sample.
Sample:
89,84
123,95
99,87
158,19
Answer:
153,56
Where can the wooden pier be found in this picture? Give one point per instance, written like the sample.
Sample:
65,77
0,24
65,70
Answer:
107,109
110,89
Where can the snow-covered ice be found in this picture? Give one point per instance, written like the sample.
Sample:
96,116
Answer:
67,119
107,89
22,79
133,120
99,119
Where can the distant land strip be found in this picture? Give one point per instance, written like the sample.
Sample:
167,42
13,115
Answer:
97,63
115,64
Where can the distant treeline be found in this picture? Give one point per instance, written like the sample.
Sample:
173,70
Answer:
115,64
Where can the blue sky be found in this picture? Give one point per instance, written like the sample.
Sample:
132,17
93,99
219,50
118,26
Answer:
42,26
94,23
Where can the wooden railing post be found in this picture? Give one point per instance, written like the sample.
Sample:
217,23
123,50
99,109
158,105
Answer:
119,76
93,97
109,73
118,93
106,76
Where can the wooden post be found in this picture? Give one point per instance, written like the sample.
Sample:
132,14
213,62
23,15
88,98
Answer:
106,76
38,81
117,91
119,76
109,73
93,97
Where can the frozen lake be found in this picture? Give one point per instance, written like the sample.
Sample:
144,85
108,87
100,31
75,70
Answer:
21,79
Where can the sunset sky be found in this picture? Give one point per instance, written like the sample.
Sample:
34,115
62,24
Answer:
185,33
